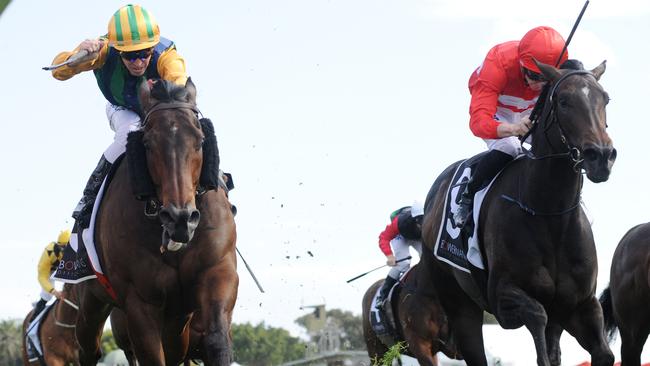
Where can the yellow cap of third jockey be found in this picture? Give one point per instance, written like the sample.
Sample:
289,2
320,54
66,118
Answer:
132,28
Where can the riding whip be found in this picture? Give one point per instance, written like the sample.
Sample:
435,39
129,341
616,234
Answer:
566,44
74,58
374,269
250,270
573,30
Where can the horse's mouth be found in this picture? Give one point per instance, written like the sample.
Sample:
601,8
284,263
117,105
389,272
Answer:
178,227
598,163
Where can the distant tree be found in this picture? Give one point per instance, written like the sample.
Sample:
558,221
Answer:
108,342
259,345
11,342
351,326
3,5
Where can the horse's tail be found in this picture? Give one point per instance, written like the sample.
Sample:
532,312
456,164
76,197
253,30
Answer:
608,314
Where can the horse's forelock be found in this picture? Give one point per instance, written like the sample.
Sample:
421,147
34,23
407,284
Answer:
167,91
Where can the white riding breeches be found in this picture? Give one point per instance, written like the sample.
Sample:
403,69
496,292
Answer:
509,145
46,295
122,121
400,246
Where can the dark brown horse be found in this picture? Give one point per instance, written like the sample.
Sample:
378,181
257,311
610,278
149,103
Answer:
160,289
57,334
538,247
422,321
625,301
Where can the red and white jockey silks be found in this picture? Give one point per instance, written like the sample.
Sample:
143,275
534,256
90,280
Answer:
499,90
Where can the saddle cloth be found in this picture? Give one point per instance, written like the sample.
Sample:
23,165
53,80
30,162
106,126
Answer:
459,247
32,341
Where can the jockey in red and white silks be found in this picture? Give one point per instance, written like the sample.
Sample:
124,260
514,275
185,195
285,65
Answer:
504,91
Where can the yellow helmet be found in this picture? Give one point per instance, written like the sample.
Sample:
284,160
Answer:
64,237
132,28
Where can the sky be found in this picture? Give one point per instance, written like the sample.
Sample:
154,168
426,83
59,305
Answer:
330,114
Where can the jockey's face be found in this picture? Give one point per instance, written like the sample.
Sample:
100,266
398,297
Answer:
136,62
534,80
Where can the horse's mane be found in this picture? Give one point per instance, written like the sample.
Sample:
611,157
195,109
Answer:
168,91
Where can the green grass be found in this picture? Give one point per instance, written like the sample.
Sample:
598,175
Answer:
393,353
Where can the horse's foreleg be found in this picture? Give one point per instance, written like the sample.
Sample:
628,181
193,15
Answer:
631,347
144,324
515,308
586,325
217,302
553,333
91,317
466,323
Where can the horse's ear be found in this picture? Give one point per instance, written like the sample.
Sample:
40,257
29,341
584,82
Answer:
550,72
191,91
599,70
144,94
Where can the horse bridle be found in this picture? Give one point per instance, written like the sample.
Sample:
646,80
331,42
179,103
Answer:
169,105
550,112
65,325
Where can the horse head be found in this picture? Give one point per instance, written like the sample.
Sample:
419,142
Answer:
173,142
575,103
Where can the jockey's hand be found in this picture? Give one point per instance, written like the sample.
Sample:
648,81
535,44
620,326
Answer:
91,45
390,260
514,129
57,294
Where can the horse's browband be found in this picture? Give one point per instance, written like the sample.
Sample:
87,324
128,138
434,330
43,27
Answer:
172,105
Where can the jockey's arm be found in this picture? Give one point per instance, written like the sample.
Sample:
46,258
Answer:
171,66
389,233
68,71
44,266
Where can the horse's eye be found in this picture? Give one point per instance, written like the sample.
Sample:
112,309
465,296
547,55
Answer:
563,102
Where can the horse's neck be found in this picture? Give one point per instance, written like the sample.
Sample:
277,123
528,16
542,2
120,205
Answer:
550,184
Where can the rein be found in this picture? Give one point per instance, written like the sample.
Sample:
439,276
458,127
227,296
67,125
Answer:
548,118
65,325
549,112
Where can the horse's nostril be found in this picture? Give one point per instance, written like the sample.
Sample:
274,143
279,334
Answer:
195,216
613,155
590,155
165,216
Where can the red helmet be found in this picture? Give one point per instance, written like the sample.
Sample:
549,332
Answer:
544,44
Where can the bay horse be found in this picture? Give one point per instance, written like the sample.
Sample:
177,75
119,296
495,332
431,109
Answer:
537,243
420,318
119,327
57,333
160,289
625,301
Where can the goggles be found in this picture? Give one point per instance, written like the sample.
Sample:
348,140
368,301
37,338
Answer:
533,76
133,56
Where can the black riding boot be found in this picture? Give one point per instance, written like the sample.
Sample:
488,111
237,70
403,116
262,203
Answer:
85,206
40,305
385,288
485,170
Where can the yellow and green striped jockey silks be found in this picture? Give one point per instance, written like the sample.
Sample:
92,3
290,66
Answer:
132,28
